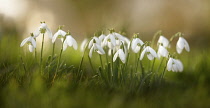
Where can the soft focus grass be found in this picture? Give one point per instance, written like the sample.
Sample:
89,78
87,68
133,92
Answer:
19,88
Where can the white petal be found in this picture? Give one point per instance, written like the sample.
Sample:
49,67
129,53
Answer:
55,37
152,51
115,56
91,52
134,44
169,64
179,65
49,32
164,41
65,45
36,33
112,38
33,42
100,49
31,48
137,49
83,45
150,56
24,41
186,45
142,54
69,40
122,55
90,43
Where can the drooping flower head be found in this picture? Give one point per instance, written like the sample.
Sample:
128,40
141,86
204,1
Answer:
181,44
83,45
136,44
69,41
96,39
43,28
96,48
163,41
121,54
30,41
162,52
151,54
174,65
59,34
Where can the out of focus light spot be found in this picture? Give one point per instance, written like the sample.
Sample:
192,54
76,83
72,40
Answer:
13,8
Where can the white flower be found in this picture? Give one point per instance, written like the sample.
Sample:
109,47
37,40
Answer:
96,48
83,45
136,45
174,65
109,41
181,44
96,40
120,53
164,41
162,51
69,41
43,29
59,34
31,43
151,54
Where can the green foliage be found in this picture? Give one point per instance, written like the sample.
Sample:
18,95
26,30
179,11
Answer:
115,85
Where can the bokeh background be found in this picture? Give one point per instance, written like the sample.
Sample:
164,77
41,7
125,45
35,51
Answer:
84,17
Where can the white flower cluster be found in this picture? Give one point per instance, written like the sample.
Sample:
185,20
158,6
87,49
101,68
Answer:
120,45
66,38
115,44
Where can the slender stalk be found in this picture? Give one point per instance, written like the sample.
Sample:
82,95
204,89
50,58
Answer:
101,62
126,62
81,62
91,64
41,59
58,63
35,53
160,65
112,62
53,51
152,65
24,67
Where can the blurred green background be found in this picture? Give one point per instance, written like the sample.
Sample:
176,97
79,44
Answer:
83,18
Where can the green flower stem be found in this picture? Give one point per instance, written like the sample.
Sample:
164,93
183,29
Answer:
91,64
160,64
101,62
53,51
35,53
57,67
153,63
41,59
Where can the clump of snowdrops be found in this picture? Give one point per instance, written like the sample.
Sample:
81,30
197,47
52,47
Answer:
120,58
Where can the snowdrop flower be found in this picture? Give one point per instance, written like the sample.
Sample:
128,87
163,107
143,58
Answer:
96,39
181,44
109,41
151,54
174,65
83,45
69,41
120,53
43,29
136,45
162,51
163,41
30,41
96,48
59,34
